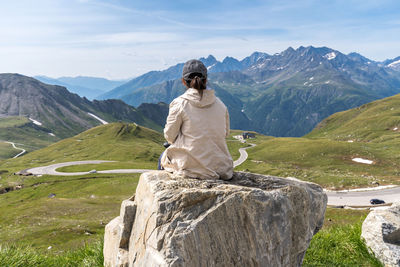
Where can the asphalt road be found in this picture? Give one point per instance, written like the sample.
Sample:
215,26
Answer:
17,148
362,198
342,198
243,155
51,169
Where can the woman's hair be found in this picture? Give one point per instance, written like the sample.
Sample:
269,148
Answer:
196,81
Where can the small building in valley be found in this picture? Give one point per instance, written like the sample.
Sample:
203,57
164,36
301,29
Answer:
247,135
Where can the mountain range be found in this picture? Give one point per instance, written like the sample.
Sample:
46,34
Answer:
285,94
89,87
30,109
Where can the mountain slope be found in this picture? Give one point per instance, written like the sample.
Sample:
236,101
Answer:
377,122
326,155
156,112
55,112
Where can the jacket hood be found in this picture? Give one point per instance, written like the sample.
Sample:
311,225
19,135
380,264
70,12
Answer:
194,97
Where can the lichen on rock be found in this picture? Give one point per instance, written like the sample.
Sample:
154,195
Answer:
251,220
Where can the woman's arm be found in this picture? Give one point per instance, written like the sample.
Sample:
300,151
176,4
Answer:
174,122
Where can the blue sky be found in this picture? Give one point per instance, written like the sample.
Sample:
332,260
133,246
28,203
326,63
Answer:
121,39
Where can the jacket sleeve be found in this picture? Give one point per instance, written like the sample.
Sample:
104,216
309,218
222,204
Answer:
174,122
227,123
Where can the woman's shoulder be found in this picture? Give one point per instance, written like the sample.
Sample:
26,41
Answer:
177,101
219,101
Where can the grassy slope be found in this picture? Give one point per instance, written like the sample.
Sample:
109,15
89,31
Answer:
83,204
7,151
324,156
20,130
372,122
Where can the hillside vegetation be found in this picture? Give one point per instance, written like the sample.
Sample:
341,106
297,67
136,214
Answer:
22,131
64,212
325,155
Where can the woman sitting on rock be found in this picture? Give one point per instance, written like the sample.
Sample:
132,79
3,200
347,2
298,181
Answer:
196,128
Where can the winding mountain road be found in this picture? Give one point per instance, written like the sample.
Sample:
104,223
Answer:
335,198
17,148
52,169
243,155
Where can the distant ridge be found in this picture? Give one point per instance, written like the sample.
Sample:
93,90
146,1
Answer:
89,87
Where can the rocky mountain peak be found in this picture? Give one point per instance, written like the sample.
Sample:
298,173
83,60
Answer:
209,61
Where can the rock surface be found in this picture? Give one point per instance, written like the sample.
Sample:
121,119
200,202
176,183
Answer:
251,220
381,232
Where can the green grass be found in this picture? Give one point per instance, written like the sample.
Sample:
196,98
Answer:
339,242
326,162
324,156
109,166
125,143
82,205
372,122
7,151
19,130
89,255
12,121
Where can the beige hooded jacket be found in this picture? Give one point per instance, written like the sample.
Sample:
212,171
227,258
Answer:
196,129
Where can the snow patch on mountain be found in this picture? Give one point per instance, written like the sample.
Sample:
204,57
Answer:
394,64
97,118
35,122
361,160
330,55
209,67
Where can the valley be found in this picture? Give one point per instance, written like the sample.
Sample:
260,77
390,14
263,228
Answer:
316,117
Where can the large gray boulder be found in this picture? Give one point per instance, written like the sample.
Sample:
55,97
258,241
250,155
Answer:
251,220
381,232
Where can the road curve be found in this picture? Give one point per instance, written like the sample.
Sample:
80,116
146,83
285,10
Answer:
243,155
51,169
17,148
335,198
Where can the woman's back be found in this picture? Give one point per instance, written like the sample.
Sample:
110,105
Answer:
196,127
